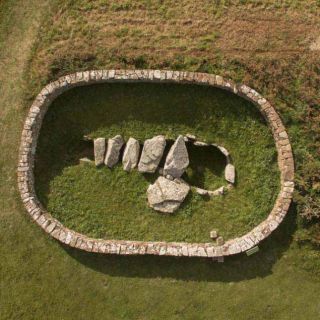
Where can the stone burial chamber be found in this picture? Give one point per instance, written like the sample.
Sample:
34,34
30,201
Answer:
218,250
169,191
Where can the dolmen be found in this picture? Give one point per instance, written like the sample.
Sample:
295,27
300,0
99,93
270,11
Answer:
169,190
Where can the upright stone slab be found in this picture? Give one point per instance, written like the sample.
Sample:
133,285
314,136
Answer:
99,146
230,173
177,159
167,195
151,154
131,154
113,151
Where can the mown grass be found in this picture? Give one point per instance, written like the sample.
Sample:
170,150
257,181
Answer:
112,203
42,280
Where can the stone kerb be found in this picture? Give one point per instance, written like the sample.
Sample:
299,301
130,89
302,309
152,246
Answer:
69,237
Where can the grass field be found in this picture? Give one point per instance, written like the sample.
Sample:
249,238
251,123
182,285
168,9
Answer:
262,43
112,203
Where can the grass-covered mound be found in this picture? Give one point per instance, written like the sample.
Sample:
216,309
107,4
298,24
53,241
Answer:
112,203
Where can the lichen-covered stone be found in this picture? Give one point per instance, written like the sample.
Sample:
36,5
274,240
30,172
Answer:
167,195
151,154
177,159
113,151
218,192
131,154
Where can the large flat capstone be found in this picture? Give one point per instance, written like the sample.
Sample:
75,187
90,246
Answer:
151,154
177,159
99,146
113,151
167,195
131,154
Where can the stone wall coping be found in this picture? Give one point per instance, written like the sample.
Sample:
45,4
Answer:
74,239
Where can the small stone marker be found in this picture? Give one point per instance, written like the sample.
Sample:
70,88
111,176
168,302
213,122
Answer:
151,154
131,154
230,173
99,146
166,195
252,251
177,159
220,241
113,151
214,234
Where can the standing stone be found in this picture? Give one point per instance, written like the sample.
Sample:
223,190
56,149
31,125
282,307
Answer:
151,154
167,195
131,154
99,146
113,151
230,173
177,160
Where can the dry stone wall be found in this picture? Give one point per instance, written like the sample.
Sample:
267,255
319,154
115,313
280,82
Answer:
71,238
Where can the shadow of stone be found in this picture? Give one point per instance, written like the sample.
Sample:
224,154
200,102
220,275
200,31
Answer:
234,269
202,158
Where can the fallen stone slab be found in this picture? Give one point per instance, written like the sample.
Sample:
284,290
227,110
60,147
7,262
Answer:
203,192
131,152
230,173
218,192
151,154
177,159
167,195
113,151
99,146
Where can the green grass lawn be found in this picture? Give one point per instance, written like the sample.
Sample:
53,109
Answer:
39,278
112,203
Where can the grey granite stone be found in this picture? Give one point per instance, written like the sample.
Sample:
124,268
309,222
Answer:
113,151
131,154
151,154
